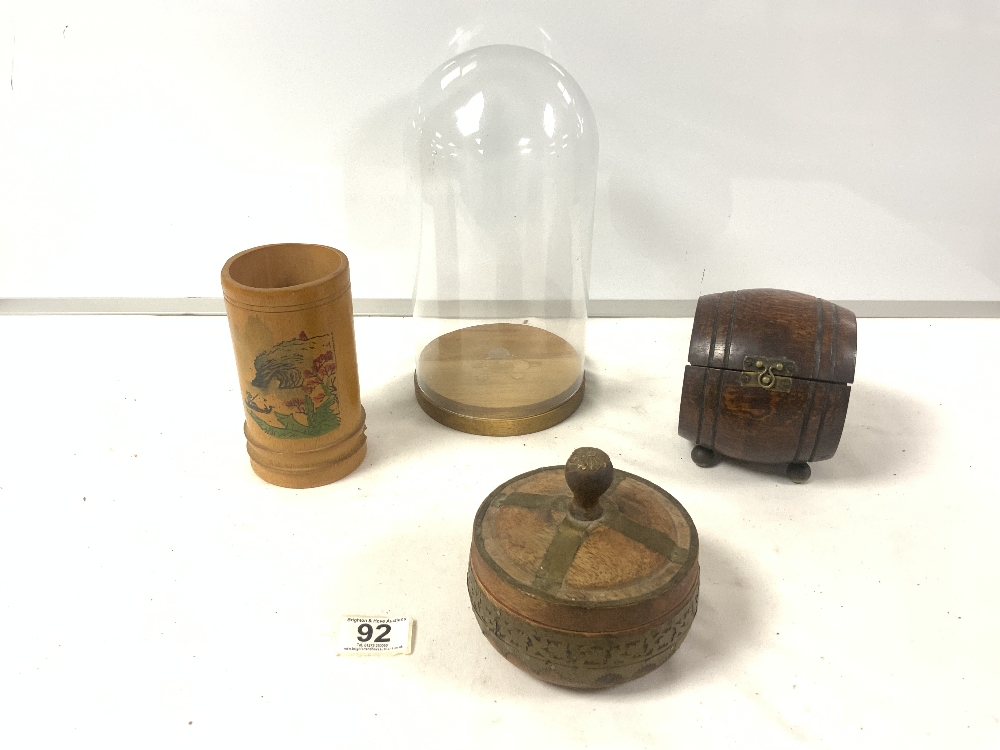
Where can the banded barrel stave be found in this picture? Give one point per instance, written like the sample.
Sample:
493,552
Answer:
768,379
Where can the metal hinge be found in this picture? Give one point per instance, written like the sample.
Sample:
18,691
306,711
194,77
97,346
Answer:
765,372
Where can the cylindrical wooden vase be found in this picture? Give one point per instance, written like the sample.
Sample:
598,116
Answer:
292,323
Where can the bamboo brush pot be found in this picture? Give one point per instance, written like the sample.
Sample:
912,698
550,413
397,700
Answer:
292,325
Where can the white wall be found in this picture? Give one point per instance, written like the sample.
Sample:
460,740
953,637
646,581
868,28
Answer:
848,149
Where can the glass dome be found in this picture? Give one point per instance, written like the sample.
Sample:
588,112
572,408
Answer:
508,165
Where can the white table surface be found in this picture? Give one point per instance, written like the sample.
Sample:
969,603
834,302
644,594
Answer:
155,593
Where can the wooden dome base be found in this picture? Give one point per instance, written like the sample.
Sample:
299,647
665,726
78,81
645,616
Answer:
497,426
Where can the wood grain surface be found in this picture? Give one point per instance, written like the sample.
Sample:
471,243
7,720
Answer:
816,340
292,327
819,336
499,371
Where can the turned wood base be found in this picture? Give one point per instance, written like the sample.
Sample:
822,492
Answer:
304,469
798,472
704,457
499,427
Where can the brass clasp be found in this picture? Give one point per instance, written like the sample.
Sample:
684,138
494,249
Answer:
765,372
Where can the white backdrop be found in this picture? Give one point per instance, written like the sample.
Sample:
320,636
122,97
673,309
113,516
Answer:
846,149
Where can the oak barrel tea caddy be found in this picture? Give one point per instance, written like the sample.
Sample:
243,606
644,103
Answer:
584,575
769,378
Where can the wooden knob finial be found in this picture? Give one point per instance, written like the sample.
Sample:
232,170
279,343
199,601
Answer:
588,473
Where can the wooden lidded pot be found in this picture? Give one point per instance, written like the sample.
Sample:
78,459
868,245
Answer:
768,379
292,324
584,575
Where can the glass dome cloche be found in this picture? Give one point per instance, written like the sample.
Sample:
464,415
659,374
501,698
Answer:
508,167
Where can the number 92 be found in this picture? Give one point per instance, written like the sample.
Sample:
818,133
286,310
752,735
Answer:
365,632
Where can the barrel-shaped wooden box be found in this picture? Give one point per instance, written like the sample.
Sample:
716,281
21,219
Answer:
585,587
768,379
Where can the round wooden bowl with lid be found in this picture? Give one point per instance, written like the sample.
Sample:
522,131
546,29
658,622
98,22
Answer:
584,575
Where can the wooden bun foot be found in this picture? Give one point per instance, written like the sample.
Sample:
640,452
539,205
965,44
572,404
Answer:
798,472
705,457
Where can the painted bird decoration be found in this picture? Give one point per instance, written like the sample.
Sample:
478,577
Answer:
287,361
